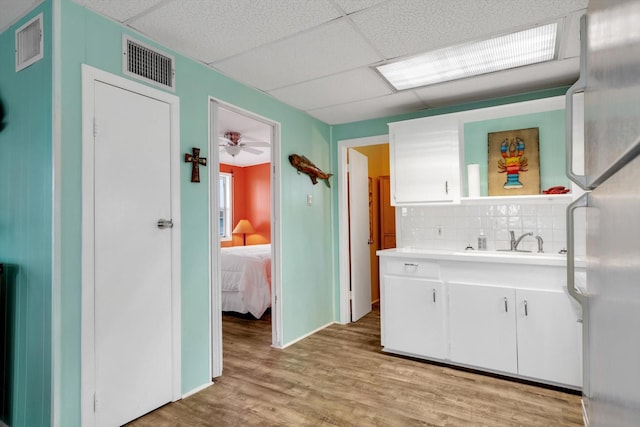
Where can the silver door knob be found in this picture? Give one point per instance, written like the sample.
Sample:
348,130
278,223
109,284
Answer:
165,223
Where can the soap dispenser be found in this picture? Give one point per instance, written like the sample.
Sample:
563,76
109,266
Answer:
482,241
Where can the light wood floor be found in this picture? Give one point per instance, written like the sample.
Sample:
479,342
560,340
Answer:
340,377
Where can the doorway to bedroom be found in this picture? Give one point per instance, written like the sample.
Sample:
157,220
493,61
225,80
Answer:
244,230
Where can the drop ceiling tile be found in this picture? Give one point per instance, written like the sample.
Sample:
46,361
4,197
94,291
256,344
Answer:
509,82
13,10
350,6
405,27
325,50
389,105
354,85
120,10
283,49
214,30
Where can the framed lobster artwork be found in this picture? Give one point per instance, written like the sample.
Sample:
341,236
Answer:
514,162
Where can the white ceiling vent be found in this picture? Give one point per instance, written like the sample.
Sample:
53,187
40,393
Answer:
145,63
29,43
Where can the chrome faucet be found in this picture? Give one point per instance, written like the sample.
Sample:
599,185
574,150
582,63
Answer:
515,242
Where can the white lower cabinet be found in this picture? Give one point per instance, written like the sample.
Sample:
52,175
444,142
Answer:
482,326
549,337
414,313
532,333
462,313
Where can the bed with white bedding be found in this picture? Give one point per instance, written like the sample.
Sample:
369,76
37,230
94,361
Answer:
246,279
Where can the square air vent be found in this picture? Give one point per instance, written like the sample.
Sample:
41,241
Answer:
29,43
145,63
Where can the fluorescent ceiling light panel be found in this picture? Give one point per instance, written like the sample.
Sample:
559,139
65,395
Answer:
471,59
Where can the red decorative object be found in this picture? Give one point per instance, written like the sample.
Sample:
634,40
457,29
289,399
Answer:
559,189
196,161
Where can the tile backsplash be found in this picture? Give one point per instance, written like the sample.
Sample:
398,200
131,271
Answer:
453,227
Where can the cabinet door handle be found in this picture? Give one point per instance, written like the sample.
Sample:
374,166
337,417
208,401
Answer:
446,187
434,295
526,311
506,305
408,264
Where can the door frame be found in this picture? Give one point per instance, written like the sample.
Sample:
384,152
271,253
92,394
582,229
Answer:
214,240
343,218
87,381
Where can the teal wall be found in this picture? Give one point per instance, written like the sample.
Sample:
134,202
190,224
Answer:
307,292
25,223
551,125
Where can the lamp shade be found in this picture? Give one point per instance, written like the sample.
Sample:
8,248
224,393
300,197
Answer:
243,226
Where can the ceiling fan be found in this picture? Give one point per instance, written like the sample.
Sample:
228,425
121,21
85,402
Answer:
232,144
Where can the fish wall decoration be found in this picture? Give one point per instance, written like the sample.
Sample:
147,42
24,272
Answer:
304,165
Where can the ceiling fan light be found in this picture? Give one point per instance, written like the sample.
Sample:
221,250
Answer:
232,150
507,51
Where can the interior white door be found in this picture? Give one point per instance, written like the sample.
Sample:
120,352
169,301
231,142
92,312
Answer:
133,322
359,234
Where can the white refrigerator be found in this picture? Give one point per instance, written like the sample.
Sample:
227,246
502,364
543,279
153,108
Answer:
610,80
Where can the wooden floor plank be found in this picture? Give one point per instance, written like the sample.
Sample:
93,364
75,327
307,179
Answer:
340,377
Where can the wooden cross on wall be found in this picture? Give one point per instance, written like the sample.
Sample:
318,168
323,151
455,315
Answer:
195,161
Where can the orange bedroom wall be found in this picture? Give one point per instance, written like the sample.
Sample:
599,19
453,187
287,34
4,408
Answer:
252,201
258,202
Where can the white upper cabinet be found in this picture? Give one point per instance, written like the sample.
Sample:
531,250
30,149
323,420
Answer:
425,164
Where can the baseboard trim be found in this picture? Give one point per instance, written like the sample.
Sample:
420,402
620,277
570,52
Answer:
197,389
585,414
304,336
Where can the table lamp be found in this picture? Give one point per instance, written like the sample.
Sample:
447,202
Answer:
243,227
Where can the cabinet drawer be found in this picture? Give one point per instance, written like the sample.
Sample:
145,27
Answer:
413,268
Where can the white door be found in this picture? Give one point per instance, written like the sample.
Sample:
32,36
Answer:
133,299
359,234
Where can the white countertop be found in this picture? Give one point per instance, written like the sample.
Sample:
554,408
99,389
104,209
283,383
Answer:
504,257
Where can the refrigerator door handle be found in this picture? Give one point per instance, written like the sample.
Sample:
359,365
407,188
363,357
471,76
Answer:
580,202
578,86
